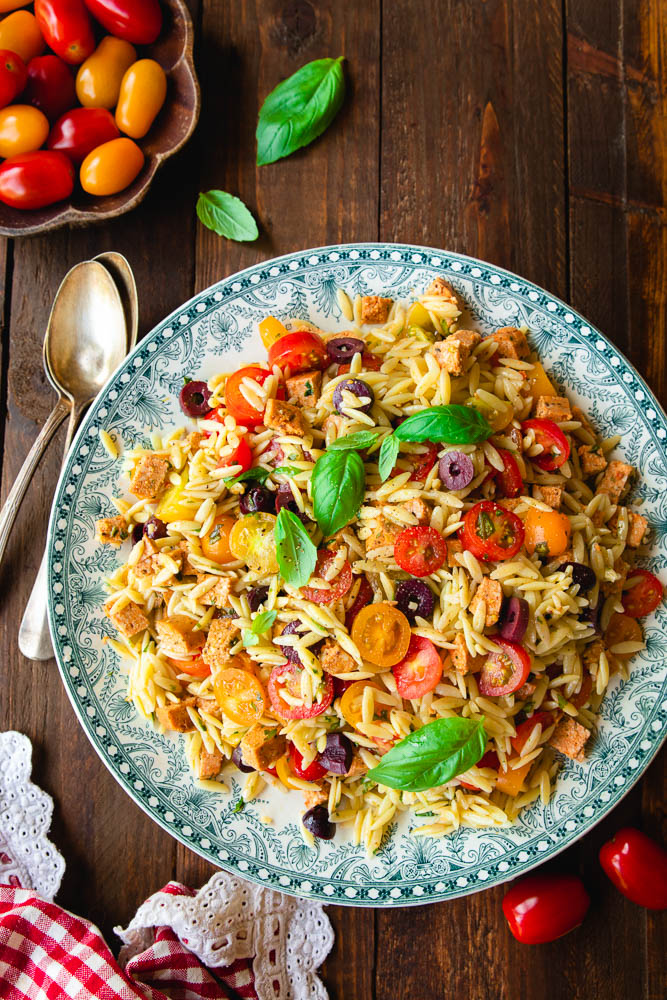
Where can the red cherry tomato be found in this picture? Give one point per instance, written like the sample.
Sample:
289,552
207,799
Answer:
301,351
420,551
542,908
637,866
137,21
424,462
81,130
50,86
196,667
242,455
364,596
369,362
490,759
490,532
313,772
524,729
236,403
550,436
33,180
508,482
644,596
287,677
339,585
504,672
13,76
420,670
66,28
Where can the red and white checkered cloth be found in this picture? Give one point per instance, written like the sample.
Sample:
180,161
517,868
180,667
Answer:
47,953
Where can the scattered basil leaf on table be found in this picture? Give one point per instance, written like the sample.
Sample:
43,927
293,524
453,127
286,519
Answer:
295,551
453,424
337,484
433,755
256,474
362,439
299,109
226,216
260,625
388,456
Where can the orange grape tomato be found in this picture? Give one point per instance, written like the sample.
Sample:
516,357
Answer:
195,667
351,699
252,539
215,543
22,129
622,628
547,532
7,5
20,33
240,695
142,93
111,167
270,330
381,633
99,78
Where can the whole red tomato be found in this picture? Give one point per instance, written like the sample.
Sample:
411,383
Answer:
541,908
66,28
637,866
81,130
33,180
13,76
137,21
50,86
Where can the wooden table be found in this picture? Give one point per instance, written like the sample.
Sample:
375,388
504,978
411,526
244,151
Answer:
528,132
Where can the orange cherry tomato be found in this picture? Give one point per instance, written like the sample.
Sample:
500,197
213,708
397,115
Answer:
381,633
111,167
67,28
13,76
20,33
547,532
236,403
622,628
351,699
22,129
240,695
195,667
99,78
215,544
142,93
7,5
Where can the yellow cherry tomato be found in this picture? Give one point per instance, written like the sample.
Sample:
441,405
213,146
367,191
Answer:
510,782
22,129
539,383
239,694
547,532
271,330
418,316
215,544
20,33
171,506
100,76
142,93
285,773
381,633
351,701
7,5
252,540
111,167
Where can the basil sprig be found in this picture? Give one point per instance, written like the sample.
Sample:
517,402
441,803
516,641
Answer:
260,625
362,439
454,424
299,109
433,755
226,216
295,551
338,484
388,456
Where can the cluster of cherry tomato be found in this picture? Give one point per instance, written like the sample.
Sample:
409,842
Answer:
56,106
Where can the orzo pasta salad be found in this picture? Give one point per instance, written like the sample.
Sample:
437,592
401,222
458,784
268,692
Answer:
391,567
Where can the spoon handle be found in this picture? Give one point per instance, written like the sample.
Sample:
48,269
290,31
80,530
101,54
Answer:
17,492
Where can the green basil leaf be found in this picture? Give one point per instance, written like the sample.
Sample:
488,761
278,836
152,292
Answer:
295,551
388,456
338,484
249,638
256,474
453,424
226,216
362,439
263,622
286,470
433,755
299,109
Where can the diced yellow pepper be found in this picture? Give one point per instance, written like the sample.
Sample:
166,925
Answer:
271,330
540,383
170,507
510,782
418,316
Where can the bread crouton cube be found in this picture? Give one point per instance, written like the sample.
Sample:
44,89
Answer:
383,533
592,653
284,417
129,620
621,567
357,767
553,408
218,593
305,389
375,309
526,691
511,342
179,636
550,495
208,765
569,737
149,477
592,460
419,509
454,546
111,530
637,528
491,593
261,747
616,480
509,503
209,705
441,289
181,554
462,658
453,352
218,642
195,438
316,797
148,563
334,659
175,716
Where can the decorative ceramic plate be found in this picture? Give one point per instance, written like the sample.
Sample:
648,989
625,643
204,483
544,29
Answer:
216,330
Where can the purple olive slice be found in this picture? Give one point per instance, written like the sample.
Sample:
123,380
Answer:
194,399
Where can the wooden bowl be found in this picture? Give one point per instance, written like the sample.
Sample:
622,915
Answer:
172,128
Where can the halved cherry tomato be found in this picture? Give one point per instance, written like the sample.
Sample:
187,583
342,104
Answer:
490,759
490,532
508,482
369,362
525,728
637,866
542,908
67,28
363,597
20,33
350,702
13,76
420,551
547,532
138,21
99,78
81,130
34,180
236,403
271,330
313,772
50,86
252,539
506,671
420,670
111,167
644,596
622,628
381,633
287,678
340,687
423,462
550,436
142,93
239,694
340,584
196,667
301,351
215,545
241,455
23,129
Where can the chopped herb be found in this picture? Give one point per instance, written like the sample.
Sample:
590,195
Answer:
561,701
309,389
485,525
270,733
542,549
239,806
186,379
528,707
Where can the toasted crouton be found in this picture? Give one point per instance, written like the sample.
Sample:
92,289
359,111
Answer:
616,480
357,767
621,567
441,289
454,546
637,528
334,659
511,342
111,530
592,460
569,737
549,494
375,309
284,417
261,747
195,438
553,408
453,352
383,533
218,592
462,658
491,593
526,691
316,797
149,477
419,509
179,636
208,765
182,554
148,563
305,389
208,705
218,642
175,716
592,653
129,620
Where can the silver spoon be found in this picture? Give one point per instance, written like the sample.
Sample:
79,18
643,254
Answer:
121,272
85,342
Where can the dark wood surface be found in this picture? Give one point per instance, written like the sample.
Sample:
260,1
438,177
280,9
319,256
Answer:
527,132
